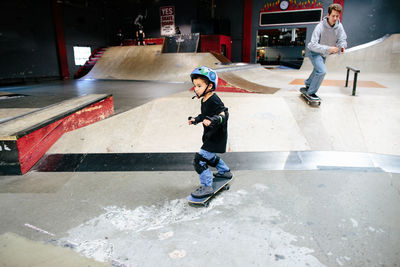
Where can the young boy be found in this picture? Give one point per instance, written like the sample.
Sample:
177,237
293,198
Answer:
327,38
214,117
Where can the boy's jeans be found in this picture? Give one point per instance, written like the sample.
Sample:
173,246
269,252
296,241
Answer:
206,176
318,73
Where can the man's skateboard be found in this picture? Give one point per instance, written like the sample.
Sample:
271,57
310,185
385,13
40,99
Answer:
218,185
309,101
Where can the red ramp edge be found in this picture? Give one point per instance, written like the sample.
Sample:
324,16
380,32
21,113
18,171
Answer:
223,86
34,145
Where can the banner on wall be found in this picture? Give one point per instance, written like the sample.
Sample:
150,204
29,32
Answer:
290,12
167,20
286,5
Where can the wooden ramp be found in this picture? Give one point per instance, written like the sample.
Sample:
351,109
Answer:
24,139
237,81
148,63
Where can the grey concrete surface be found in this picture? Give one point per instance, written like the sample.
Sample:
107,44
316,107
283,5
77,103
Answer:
127,94
21,123
258,122
19,251
267,218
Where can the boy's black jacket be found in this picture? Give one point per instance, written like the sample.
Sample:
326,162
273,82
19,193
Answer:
214,138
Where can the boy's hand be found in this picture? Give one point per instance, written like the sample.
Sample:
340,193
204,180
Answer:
333,49
191,120
206,122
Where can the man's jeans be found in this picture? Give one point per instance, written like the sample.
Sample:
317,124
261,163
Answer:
317,76
206,176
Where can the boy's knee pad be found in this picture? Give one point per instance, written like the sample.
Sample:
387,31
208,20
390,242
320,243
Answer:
214,162
196,163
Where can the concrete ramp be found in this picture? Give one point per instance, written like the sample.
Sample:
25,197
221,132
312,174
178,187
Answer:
247,85
148,63
258,122
379,56
258,79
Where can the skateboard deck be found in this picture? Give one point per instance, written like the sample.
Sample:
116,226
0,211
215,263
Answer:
218,185
308,100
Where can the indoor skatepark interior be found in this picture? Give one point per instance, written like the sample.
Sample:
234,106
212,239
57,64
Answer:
314,186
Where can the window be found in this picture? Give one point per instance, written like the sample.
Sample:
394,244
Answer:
81,54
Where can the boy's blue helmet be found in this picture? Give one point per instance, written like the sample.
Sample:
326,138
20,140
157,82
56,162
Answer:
207,72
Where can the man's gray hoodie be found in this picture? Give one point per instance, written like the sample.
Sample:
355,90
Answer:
325,36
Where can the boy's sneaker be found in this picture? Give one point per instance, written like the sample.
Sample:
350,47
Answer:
203,191
313,97
227,175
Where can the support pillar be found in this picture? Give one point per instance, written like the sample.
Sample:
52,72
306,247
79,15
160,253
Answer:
59,29
247,22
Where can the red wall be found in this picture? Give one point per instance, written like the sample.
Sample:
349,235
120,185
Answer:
341,2
157,41
213,43
247,21
62,50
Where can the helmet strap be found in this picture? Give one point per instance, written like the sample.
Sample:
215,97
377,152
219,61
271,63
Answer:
203,94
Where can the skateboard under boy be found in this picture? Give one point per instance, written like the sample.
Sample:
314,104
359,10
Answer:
218,185
308,100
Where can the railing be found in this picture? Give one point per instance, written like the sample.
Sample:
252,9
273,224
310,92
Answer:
356,72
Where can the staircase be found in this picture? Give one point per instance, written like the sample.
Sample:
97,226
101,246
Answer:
96,55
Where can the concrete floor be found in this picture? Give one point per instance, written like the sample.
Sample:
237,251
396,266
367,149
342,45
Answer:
312,217
127,94
368,122
267,218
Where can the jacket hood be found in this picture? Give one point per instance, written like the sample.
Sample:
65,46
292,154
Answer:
326,23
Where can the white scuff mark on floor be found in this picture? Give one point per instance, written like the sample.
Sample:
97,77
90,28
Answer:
166,235
342,260
100,250
154,217
282,251
89,237
148,235
354,222
260,187
177,254
341,263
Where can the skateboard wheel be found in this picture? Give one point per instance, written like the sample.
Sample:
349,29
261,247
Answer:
206,204
227,187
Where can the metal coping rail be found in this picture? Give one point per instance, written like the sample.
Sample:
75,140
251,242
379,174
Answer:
356,72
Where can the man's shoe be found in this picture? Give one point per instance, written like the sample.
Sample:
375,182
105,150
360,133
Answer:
313,97
303,90
203,191
226,175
